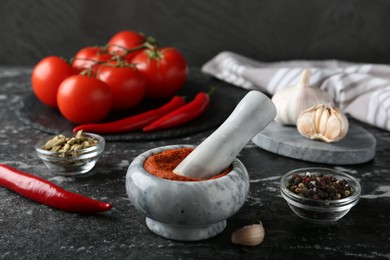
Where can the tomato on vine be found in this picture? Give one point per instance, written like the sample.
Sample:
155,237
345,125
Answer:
127,84
120,75
83,99
47,76
123,41
164,69
90,57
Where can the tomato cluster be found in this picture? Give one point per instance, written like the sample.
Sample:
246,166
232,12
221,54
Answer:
117,76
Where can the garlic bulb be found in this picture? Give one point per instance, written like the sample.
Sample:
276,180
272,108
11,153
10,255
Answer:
323,122
251,235
291,101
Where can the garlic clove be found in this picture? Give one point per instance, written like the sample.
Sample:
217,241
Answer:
337,126
306,124
251,235
323,122
291,101
323,114
334,130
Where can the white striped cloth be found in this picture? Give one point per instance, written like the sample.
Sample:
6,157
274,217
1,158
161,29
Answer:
360,90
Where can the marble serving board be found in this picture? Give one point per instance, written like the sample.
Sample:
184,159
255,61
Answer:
358,146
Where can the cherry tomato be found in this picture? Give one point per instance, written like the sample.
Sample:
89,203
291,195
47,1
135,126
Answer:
82,99
124,40
90,56
128,85
165,71
47,77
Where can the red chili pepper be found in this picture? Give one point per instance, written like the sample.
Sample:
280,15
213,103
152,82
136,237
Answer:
183,114
133,122
47,193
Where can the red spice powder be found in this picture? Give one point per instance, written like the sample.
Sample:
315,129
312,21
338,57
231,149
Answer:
163,164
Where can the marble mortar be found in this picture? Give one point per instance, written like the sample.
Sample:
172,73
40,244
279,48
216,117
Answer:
184,210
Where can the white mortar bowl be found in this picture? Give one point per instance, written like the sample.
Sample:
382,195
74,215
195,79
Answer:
185,210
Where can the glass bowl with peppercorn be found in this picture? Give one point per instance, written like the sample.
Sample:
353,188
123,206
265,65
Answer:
320,195
69,155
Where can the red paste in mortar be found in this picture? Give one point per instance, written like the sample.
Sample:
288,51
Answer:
163,164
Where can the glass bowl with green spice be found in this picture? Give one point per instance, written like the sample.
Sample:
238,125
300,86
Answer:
70,155
320,195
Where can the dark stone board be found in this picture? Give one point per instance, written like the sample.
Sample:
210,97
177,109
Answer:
39,116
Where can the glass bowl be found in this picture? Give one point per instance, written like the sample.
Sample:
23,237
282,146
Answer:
71,164
320,210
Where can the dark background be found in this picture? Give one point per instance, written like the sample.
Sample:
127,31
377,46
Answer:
267,30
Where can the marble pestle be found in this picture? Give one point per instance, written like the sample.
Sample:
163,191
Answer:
254,112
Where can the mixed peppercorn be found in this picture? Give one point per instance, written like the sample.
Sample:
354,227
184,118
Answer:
319,186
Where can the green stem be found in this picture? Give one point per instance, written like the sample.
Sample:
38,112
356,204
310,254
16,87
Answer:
211,91
87,72
150,43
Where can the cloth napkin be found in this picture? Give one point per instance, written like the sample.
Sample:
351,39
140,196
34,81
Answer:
360,90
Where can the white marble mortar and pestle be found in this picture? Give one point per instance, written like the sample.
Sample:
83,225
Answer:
196,210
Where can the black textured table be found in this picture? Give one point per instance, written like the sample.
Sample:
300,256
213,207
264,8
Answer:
29,230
